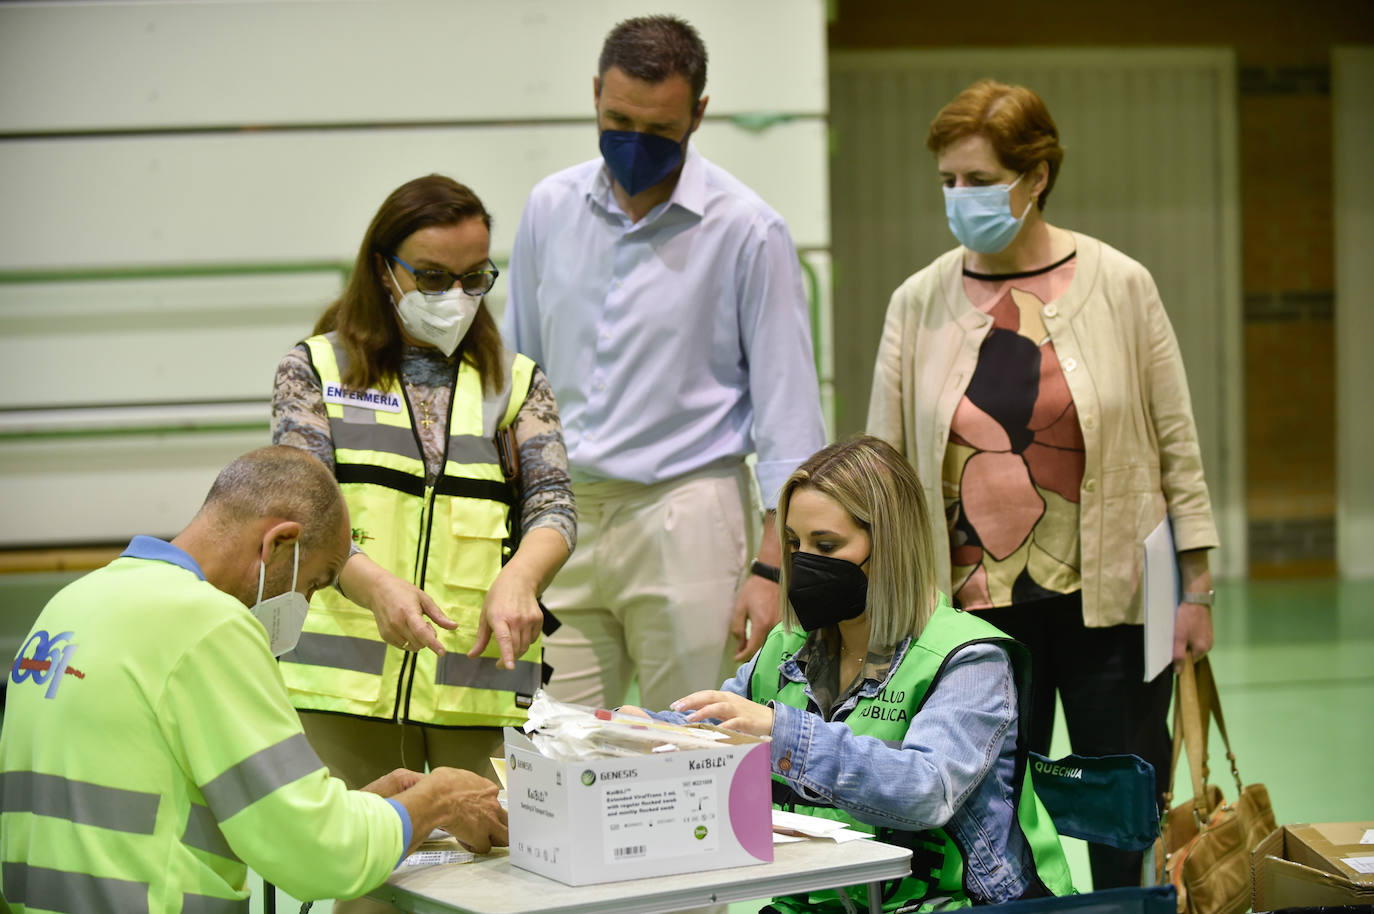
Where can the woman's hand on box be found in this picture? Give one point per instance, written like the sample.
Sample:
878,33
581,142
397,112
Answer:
735,712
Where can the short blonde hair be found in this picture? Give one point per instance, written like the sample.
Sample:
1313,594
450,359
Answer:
877,486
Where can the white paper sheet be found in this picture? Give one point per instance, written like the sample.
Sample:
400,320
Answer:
814,826
845,834
1359,864
498,765
1161,593
1368,836
797,824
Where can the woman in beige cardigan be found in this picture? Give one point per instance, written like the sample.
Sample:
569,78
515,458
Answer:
1033,379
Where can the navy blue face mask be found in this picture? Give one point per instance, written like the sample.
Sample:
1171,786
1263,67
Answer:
640,160
824,590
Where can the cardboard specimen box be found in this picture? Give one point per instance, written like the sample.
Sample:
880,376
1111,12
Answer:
1313,865
606,820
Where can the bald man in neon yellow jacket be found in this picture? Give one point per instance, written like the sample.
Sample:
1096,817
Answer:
150,755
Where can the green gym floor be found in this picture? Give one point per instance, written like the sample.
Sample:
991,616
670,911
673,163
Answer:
1294,662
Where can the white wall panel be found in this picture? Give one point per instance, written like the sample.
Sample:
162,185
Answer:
80,66
180,154
289,196
105,489
170,340
1149,167
1352,103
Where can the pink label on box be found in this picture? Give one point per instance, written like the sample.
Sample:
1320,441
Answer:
754,832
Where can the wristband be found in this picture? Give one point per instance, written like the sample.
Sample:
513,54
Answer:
770,572
1200,597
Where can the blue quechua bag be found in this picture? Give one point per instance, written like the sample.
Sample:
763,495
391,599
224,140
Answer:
1108,799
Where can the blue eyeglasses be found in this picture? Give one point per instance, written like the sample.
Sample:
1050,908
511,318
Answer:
437,282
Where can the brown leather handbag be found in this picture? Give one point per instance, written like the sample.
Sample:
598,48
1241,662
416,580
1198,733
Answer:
1205,843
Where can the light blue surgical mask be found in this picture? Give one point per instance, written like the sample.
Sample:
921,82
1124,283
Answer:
980,217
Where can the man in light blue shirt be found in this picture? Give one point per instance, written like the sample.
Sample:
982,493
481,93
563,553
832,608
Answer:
664,300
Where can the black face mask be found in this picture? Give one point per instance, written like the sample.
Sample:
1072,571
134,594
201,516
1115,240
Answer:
824,590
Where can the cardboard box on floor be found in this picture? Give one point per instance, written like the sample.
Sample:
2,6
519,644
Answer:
606,820
1311,865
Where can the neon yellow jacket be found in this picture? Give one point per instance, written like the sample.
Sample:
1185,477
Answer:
150,756
447,538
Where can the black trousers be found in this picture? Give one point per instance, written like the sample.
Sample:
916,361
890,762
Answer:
1109,710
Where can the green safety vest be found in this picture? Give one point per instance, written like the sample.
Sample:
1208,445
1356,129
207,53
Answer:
450,539
149,757
937,863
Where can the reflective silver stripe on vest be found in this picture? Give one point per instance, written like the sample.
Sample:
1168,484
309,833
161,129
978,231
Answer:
361,655
371,435
392,439
209,904
60,890
202,833
79,801
454,669
359,413
494,405
471,449
260,774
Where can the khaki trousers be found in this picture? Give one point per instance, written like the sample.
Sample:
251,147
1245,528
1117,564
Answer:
650,589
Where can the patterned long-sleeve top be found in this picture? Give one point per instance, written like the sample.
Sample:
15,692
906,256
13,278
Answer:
299,419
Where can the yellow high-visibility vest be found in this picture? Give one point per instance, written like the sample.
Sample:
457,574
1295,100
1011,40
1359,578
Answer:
448,538
149,757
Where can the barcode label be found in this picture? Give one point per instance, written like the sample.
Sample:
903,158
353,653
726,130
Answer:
650,818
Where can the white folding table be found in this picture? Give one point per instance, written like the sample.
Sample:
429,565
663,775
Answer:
491,885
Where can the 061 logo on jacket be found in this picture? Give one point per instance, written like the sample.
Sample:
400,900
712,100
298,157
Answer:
50,663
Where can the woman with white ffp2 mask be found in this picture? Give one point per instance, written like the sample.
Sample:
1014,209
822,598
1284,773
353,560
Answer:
431,640
438,319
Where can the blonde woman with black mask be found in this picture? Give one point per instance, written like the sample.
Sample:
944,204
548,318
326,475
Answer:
887,708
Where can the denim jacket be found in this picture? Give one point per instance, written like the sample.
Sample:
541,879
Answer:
954,768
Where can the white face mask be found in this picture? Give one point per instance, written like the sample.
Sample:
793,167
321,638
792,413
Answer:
439,320
283,615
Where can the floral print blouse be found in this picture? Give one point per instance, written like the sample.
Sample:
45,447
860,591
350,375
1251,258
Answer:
299,419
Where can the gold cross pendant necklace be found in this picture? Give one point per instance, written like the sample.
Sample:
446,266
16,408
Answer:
427,420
